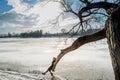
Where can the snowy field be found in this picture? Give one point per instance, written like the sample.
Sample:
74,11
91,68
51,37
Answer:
31,56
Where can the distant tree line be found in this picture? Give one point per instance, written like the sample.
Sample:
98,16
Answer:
34,34
39,34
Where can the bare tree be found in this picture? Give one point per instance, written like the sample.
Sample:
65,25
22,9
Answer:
111,31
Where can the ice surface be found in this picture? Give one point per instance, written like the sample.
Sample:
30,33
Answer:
89,62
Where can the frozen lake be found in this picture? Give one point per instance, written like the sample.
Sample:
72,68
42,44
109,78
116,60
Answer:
89,62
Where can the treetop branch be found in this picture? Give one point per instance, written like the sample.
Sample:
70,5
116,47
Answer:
104,5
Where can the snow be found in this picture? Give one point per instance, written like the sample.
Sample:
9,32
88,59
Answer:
10,75
28,55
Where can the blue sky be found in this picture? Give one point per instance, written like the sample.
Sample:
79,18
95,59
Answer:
30,1
4,7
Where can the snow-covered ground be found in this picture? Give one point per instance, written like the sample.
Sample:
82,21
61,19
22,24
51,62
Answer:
34,55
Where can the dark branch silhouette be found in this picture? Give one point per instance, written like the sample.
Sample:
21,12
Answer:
50,68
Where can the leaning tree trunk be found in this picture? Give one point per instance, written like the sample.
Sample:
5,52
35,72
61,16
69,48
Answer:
113,39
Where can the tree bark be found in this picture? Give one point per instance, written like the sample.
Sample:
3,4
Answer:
113,39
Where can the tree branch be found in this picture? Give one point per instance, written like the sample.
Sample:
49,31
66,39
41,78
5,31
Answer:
104,5
76,44
85,1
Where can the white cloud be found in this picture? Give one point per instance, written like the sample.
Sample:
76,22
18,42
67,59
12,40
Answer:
68,21
18,6
11,25
44,11
38,16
